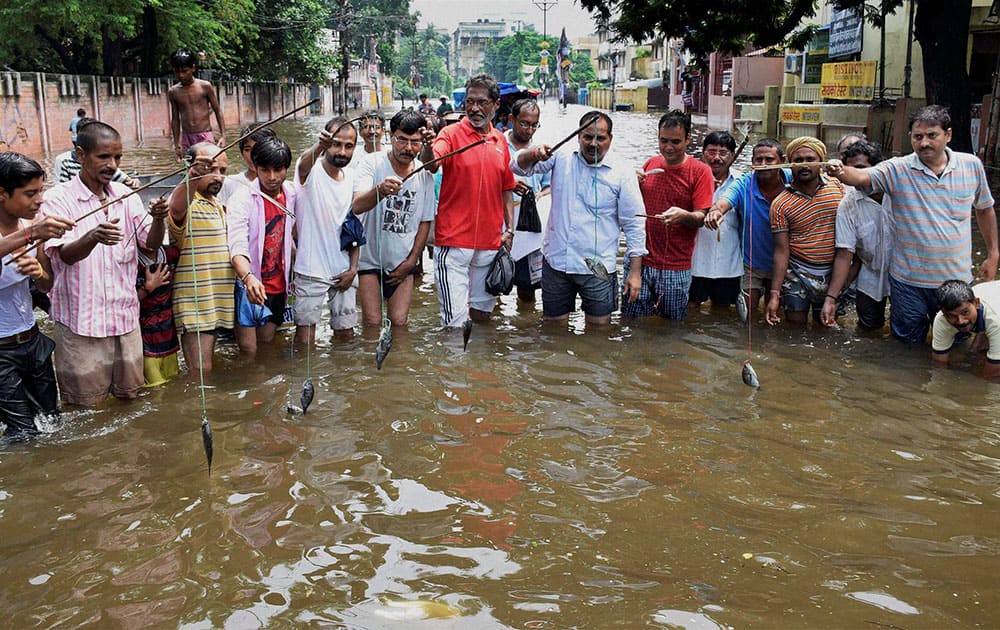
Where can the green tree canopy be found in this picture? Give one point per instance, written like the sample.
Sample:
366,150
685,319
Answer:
505,58
422,64
257,39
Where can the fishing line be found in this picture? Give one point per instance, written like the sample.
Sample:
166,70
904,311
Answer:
475,241
384,343
206,429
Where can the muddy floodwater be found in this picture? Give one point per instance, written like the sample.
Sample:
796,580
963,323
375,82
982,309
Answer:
546,478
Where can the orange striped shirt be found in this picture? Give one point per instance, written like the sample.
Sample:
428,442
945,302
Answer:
811,222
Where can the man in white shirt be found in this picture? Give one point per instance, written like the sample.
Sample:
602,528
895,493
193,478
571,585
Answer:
865,237
593,201
325,274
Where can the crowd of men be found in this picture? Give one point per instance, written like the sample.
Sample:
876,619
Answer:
348,225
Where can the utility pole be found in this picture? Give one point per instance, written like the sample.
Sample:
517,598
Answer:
545,5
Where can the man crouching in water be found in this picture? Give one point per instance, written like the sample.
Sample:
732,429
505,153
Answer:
968,311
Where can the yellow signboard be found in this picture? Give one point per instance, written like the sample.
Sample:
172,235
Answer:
849,81
801,114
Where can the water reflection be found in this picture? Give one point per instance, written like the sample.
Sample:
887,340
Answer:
544,478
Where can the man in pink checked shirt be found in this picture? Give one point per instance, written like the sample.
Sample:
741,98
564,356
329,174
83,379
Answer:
95,307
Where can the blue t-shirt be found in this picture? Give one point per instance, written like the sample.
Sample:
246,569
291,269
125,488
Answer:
755,214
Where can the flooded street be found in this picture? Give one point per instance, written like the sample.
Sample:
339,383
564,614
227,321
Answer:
545,478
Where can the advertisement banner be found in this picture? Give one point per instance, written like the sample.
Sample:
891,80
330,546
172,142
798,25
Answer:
801,114
846,28
849,81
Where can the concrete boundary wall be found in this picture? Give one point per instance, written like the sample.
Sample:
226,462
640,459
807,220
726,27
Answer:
36,108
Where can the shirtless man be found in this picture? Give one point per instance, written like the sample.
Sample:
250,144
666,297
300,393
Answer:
192,102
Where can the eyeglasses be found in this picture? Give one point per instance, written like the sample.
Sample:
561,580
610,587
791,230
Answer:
722,153
407,142
477,102
527,125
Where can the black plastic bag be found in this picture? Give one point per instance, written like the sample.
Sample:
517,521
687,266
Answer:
500,277
528,219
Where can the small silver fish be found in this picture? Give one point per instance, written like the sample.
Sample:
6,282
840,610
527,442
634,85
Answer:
308,392
597,268
383,346
742,308
466,333
206,440
750,376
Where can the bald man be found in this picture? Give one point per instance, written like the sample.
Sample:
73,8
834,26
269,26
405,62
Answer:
803,222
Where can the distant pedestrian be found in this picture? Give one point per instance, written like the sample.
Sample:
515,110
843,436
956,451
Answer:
444,107
73,124
192,103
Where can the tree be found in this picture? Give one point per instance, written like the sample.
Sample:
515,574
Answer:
506,57
427,52
258,39
582,71
941,27
119,36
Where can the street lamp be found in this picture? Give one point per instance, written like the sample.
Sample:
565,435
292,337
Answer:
545,5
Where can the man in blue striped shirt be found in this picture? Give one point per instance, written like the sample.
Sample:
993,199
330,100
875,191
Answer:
934,191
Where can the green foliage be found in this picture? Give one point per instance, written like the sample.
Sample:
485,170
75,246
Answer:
422,66
257,39
721,25
582,71
506,57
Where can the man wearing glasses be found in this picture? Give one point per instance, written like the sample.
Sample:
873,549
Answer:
476,207
371,132
398,227
527,249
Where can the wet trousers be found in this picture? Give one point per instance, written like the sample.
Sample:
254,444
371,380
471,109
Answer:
27,384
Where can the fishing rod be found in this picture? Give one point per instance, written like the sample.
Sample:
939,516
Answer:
445,156
590,120
182,169
774,167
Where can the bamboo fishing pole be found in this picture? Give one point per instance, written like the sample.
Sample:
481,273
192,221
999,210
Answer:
590,121
774,167
179,170
446,156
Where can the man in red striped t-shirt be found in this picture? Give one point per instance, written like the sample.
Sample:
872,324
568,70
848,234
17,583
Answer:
804,224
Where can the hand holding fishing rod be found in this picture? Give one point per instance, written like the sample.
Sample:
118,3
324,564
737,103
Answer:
445,156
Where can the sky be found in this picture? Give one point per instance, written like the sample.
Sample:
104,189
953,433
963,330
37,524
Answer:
448,13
